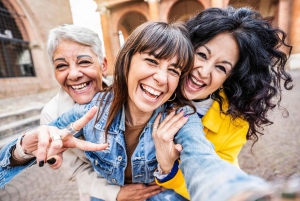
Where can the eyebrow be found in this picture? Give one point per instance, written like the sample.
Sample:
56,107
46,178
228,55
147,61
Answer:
226,62
78,57
207,49
175,65
61,58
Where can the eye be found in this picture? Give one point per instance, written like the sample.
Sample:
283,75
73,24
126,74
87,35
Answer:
85,63
151,61
222,68
61,66
202,55
175,71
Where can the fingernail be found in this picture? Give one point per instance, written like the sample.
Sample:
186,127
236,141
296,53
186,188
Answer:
41,163
186,115
51,161
180,110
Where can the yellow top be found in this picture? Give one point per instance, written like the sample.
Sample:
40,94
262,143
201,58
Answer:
227,136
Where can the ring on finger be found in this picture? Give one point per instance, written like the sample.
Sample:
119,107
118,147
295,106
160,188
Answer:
55,137
71,129
155,128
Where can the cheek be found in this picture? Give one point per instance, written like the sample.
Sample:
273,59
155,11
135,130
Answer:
173,83
92,71
218,81
61,77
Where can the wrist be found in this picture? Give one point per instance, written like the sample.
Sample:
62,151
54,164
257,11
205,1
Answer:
20,152
165,168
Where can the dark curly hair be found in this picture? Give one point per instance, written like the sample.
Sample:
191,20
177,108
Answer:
254,86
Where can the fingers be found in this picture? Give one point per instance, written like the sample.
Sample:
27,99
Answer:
43,142
55,161
170,125
138,192
88,146
150,190
156,122
56,144
178,147
80,123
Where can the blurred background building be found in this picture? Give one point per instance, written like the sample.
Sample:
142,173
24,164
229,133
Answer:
24,25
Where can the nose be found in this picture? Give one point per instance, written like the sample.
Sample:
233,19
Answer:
74,73
205,70
161,76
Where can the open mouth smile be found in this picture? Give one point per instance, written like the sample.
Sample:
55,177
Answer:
195,83
81,87
150,92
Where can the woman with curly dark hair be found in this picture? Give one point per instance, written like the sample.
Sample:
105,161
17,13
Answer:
237,79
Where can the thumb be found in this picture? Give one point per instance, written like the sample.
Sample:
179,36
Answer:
88,146
80,123
178,148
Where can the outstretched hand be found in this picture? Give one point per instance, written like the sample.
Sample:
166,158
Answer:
41,144
163,134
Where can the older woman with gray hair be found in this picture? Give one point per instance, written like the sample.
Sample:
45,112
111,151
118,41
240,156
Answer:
80,68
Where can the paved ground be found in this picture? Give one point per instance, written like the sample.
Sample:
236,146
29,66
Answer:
275,156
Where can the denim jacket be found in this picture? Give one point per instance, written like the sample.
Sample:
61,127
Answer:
111,163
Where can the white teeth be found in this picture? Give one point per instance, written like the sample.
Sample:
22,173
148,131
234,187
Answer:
151,91
79,87
196,81
151,98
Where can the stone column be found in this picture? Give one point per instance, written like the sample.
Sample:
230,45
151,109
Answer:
294,60
217,3
284,15
153,9
104,15
295,27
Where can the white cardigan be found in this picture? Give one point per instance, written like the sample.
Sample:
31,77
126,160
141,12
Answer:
75,164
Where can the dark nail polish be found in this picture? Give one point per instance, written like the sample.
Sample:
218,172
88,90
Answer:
41,163
180,110
186,115
51,161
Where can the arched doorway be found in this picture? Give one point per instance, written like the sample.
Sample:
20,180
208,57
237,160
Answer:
183,10
128,23
15,54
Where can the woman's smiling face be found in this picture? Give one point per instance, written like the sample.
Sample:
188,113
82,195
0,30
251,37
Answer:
213,64
151,81
78,71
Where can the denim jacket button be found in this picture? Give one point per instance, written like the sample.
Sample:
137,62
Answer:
120,158
113,180
96,162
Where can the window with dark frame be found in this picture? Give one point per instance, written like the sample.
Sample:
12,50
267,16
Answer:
15,54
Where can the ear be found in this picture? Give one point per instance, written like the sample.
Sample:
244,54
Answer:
104,67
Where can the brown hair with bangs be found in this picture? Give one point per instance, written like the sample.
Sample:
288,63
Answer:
171,40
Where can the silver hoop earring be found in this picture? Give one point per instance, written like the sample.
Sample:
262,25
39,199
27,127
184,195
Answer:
172,98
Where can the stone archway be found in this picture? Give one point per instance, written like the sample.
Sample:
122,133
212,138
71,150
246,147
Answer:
129,22
183,10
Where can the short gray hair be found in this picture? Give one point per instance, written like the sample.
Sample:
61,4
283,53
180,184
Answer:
75,33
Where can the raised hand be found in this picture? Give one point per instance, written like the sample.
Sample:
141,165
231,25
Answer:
48,141
163,134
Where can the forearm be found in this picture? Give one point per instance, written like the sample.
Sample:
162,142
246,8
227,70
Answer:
7,171
207,176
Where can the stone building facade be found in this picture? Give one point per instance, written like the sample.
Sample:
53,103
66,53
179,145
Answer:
24,26
120,17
